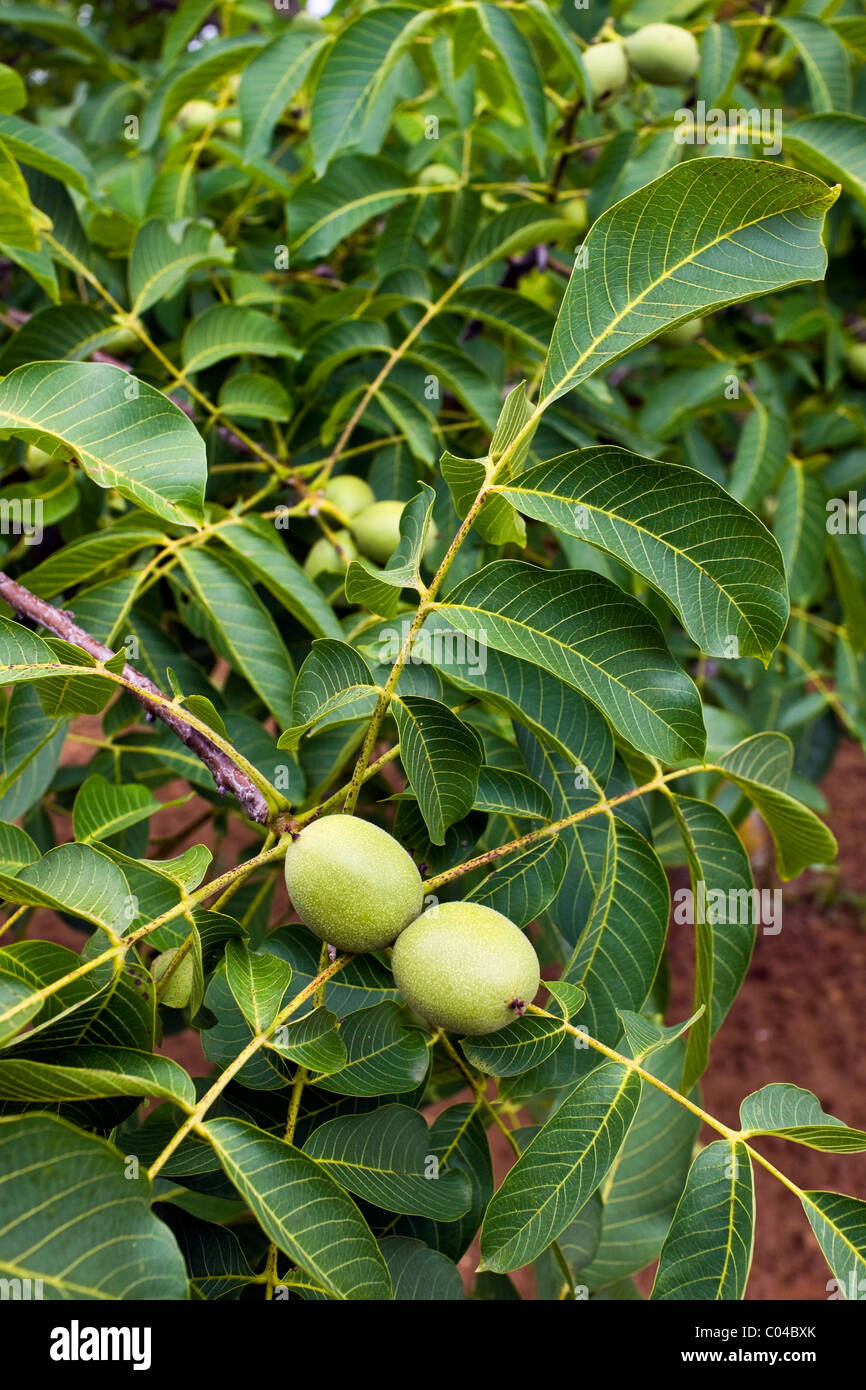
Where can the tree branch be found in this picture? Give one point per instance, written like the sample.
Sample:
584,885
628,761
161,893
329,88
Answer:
227,776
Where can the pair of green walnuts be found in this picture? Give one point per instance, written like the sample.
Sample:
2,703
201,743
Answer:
460,965
375,527
663,54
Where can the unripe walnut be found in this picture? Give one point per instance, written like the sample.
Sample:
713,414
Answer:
196,116
684,333
325,558
855,361
352,884
437,176
606,67
377,530
574,211
349,493
178,986
465,968
36,458
663,54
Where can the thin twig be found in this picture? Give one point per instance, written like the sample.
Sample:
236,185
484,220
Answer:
228,777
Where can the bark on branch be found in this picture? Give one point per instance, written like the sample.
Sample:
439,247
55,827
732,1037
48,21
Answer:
227,776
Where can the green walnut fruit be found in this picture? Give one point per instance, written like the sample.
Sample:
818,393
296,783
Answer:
350,494
178,987
663,54
231,128
377,530
325,558
196,116
574,211
684,333
36,459
465,968
606,67
436,176
855,361
352,884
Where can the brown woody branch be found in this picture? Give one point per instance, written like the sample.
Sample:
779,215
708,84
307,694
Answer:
227,776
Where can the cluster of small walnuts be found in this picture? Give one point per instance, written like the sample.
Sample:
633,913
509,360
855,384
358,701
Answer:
663,54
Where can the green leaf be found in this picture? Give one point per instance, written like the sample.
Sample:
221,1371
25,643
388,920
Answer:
792,1113
708,557
708,1250
646,1181
385,1057
800,527
135,440
545,704
258,981
72,331
300,1207
190,77
523,1044
323,212
522,884
313,1041
458,1140
585,630
244,626
360,984
103,809
230,1034
269,562
225,330
87,556
16,848
379,589
385,1158
268,84
13,93
497,521
77,879
559,1171
418,1272
516,57
644,1036
350,73
47,150
511,794
619,950
833,145
824,60
334,684
52,1218
839,1223
32,743
711,232
576,1245
254,396
56,29
761,453
83,1073
165,253
442,757
720,874
13,994
799,836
